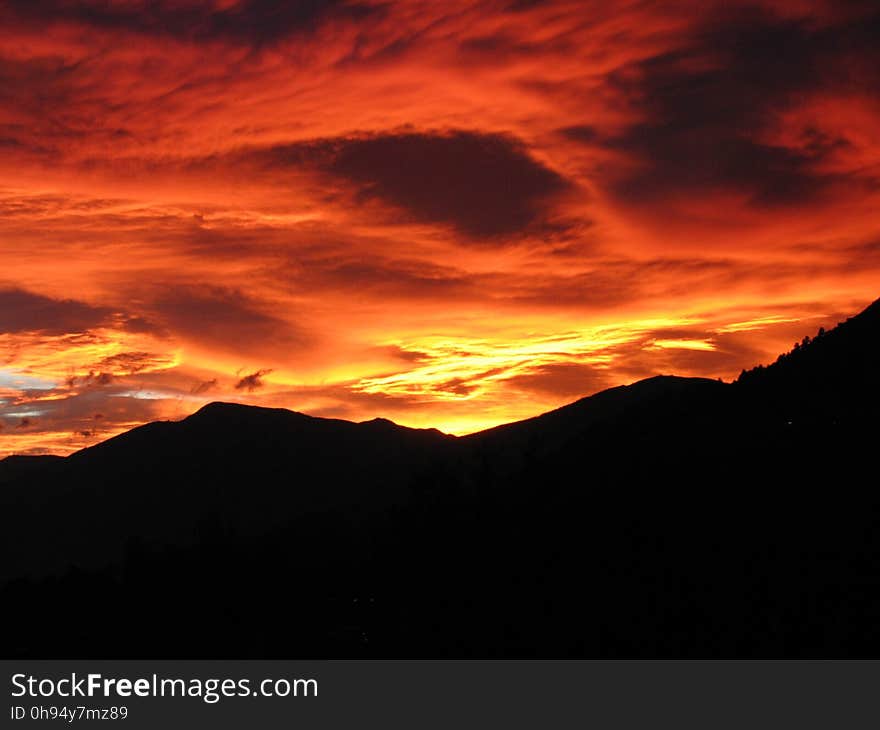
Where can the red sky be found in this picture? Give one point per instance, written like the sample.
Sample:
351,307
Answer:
450,214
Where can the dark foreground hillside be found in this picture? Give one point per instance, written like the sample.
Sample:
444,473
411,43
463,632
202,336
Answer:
674,517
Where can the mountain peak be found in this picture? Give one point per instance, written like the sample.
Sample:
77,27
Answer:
225,409
222,407
379,421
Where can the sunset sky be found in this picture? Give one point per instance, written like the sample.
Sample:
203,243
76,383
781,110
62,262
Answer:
449,214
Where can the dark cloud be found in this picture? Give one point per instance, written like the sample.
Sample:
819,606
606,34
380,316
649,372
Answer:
255,22
98,379
51,207
568,379
132,362
517,6
22,311
465,386
862,255
704,107
402,278
455,386
614,282
252,381
500,48
223,316
485,185
53,103
92,379
400,353
204,387
581,133
24,128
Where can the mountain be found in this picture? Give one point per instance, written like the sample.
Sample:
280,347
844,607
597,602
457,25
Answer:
832,374
227,466
675,517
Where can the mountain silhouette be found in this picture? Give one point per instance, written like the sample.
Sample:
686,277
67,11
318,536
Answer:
17,466
675,517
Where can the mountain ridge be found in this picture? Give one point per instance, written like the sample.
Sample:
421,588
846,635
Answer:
867,318
672,517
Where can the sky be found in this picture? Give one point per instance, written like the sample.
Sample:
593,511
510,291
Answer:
450,214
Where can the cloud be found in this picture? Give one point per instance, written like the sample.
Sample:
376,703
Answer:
23,311
454,214
384,277
69,421
401,353
255,22
709,109
485,185
581,133
205,386
98,378
223,317
129,363
566,379
252,381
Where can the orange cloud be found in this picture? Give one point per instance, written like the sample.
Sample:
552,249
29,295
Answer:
453,214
